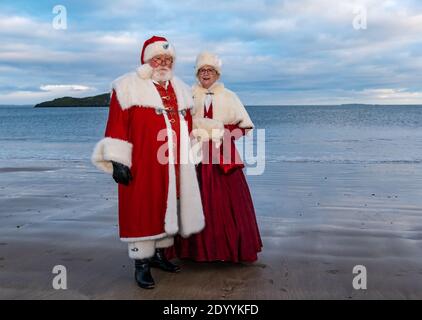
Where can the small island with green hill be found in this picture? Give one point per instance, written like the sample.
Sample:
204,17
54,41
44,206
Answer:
101,100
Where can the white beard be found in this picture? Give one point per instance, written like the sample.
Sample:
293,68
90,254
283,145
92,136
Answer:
162,75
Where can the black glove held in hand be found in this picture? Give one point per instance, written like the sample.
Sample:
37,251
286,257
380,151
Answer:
121,173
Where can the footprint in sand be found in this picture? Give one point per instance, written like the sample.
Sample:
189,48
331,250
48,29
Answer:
230,286
335,271
256,265
77,259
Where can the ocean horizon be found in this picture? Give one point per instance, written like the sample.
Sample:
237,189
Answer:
257,105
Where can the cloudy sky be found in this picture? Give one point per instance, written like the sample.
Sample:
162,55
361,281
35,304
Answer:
273,52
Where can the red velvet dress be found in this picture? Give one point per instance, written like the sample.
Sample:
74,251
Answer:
231,231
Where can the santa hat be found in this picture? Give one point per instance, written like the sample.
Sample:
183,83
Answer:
153,46
210,59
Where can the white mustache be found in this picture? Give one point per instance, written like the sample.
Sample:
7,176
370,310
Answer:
162,74
162,69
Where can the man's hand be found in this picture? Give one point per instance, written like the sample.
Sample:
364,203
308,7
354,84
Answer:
121,173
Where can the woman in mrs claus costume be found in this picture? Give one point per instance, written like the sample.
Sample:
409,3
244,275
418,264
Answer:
231,232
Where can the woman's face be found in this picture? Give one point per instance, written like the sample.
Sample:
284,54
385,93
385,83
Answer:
207,75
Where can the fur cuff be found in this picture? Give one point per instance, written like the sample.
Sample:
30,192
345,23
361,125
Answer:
141,249
164,243
205,129
111,149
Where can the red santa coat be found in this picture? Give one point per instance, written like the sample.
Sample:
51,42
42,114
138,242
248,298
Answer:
138,134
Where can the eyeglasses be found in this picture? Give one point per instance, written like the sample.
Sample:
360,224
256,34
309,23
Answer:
160,60
204,71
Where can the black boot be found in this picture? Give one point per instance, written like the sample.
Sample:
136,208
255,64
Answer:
159,260
143,274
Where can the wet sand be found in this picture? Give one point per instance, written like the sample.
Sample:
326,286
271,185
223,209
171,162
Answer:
23,169
317,222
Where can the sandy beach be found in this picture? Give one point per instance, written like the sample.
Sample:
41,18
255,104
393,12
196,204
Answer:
328,98
317,222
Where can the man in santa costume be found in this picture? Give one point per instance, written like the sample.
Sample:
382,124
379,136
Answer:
146,148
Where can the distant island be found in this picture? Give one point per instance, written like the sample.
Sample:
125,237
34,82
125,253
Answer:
101,100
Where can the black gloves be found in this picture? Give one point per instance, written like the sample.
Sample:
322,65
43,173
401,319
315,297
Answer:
121,173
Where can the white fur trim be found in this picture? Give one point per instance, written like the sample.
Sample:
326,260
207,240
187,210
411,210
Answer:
158,47
196,153
111,149
141,249
191,214
171,219
164,243
133,90
226,106
210,59
183,94
145,71
154,237
208,129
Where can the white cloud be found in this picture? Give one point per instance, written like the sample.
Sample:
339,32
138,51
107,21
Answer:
281,50
334,96
125,39
65,87
47,92
275,26
19,26
391,95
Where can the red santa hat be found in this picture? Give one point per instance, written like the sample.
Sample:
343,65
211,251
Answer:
155,46
208,59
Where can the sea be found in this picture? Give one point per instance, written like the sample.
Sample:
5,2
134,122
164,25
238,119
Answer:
292,134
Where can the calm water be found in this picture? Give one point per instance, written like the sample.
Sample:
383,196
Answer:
340,134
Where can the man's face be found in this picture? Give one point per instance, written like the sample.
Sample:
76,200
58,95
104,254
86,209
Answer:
207,75
162,65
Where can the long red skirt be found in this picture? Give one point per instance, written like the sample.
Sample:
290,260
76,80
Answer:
231,232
